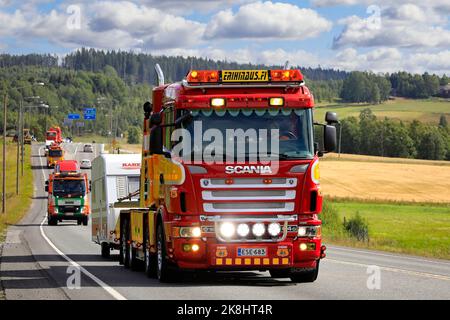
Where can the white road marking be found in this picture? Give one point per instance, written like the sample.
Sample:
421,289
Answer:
388,255
409,272
114,293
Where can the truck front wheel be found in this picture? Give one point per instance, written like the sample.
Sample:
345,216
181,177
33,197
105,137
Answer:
52,221
280,273
305,276
85,220
150,260
165,272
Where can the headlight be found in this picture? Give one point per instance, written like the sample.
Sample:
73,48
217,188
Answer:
227,229
274,229
190,232
243,230
309,231
258,229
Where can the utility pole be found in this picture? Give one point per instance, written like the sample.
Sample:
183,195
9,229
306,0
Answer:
340,138
4,156
18,146
22,141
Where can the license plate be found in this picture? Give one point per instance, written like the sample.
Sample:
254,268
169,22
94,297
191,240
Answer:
69,213
251,252
245,75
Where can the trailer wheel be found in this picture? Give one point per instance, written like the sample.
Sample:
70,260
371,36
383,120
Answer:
134,263
280,273
165,272
305,276
106,251
124,255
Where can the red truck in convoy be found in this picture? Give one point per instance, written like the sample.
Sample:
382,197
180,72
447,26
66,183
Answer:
241,211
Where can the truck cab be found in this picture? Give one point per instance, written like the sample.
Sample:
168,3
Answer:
68,197
230,177
54,155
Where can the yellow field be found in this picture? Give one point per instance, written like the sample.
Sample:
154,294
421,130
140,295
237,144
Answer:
381,179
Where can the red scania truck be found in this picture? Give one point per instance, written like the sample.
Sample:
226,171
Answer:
235,214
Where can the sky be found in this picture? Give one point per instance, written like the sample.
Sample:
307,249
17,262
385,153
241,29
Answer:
375,35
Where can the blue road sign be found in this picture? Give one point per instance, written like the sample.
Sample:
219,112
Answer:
89,113
73,116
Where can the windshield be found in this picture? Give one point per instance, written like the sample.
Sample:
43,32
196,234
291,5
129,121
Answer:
291,128
55,153
51,134
63,188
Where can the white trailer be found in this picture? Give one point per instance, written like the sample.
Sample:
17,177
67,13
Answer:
114,176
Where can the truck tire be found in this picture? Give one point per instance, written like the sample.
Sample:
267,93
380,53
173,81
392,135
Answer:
165,272
124,254
134,262
106,251
85,220
79,222
280,273
305,276
52,221
150,260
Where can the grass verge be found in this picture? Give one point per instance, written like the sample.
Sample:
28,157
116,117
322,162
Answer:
399,228
16,205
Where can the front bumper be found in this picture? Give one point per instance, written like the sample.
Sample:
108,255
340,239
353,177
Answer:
286,254
63,214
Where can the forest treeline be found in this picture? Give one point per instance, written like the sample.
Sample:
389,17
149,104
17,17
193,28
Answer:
385,137
118,83
326,84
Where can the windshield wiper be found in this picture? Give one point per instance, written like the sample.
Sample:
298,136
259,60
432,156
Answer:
270,155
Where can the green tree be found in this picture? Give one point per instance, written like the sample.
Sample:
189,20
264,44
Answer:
432,145
134,134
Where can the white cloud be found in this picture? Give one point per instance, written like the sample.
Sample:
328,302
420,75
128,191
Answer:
267,20
408,25
391,60
153,27
11,23
107,24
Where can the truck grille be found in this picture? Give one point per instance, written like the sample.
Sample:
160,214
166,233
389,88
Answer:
248,194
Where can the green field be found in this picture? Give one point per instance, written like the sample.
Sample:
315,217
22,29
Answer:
16,206
428,110
403,228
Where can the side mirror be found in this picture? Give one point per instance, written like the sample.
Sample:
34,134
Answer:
184,119
331,117
155,119
156,141
148,107
329,138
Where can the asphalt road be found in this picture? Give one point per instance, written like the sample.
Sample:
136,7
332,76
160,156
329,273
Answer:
38,262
